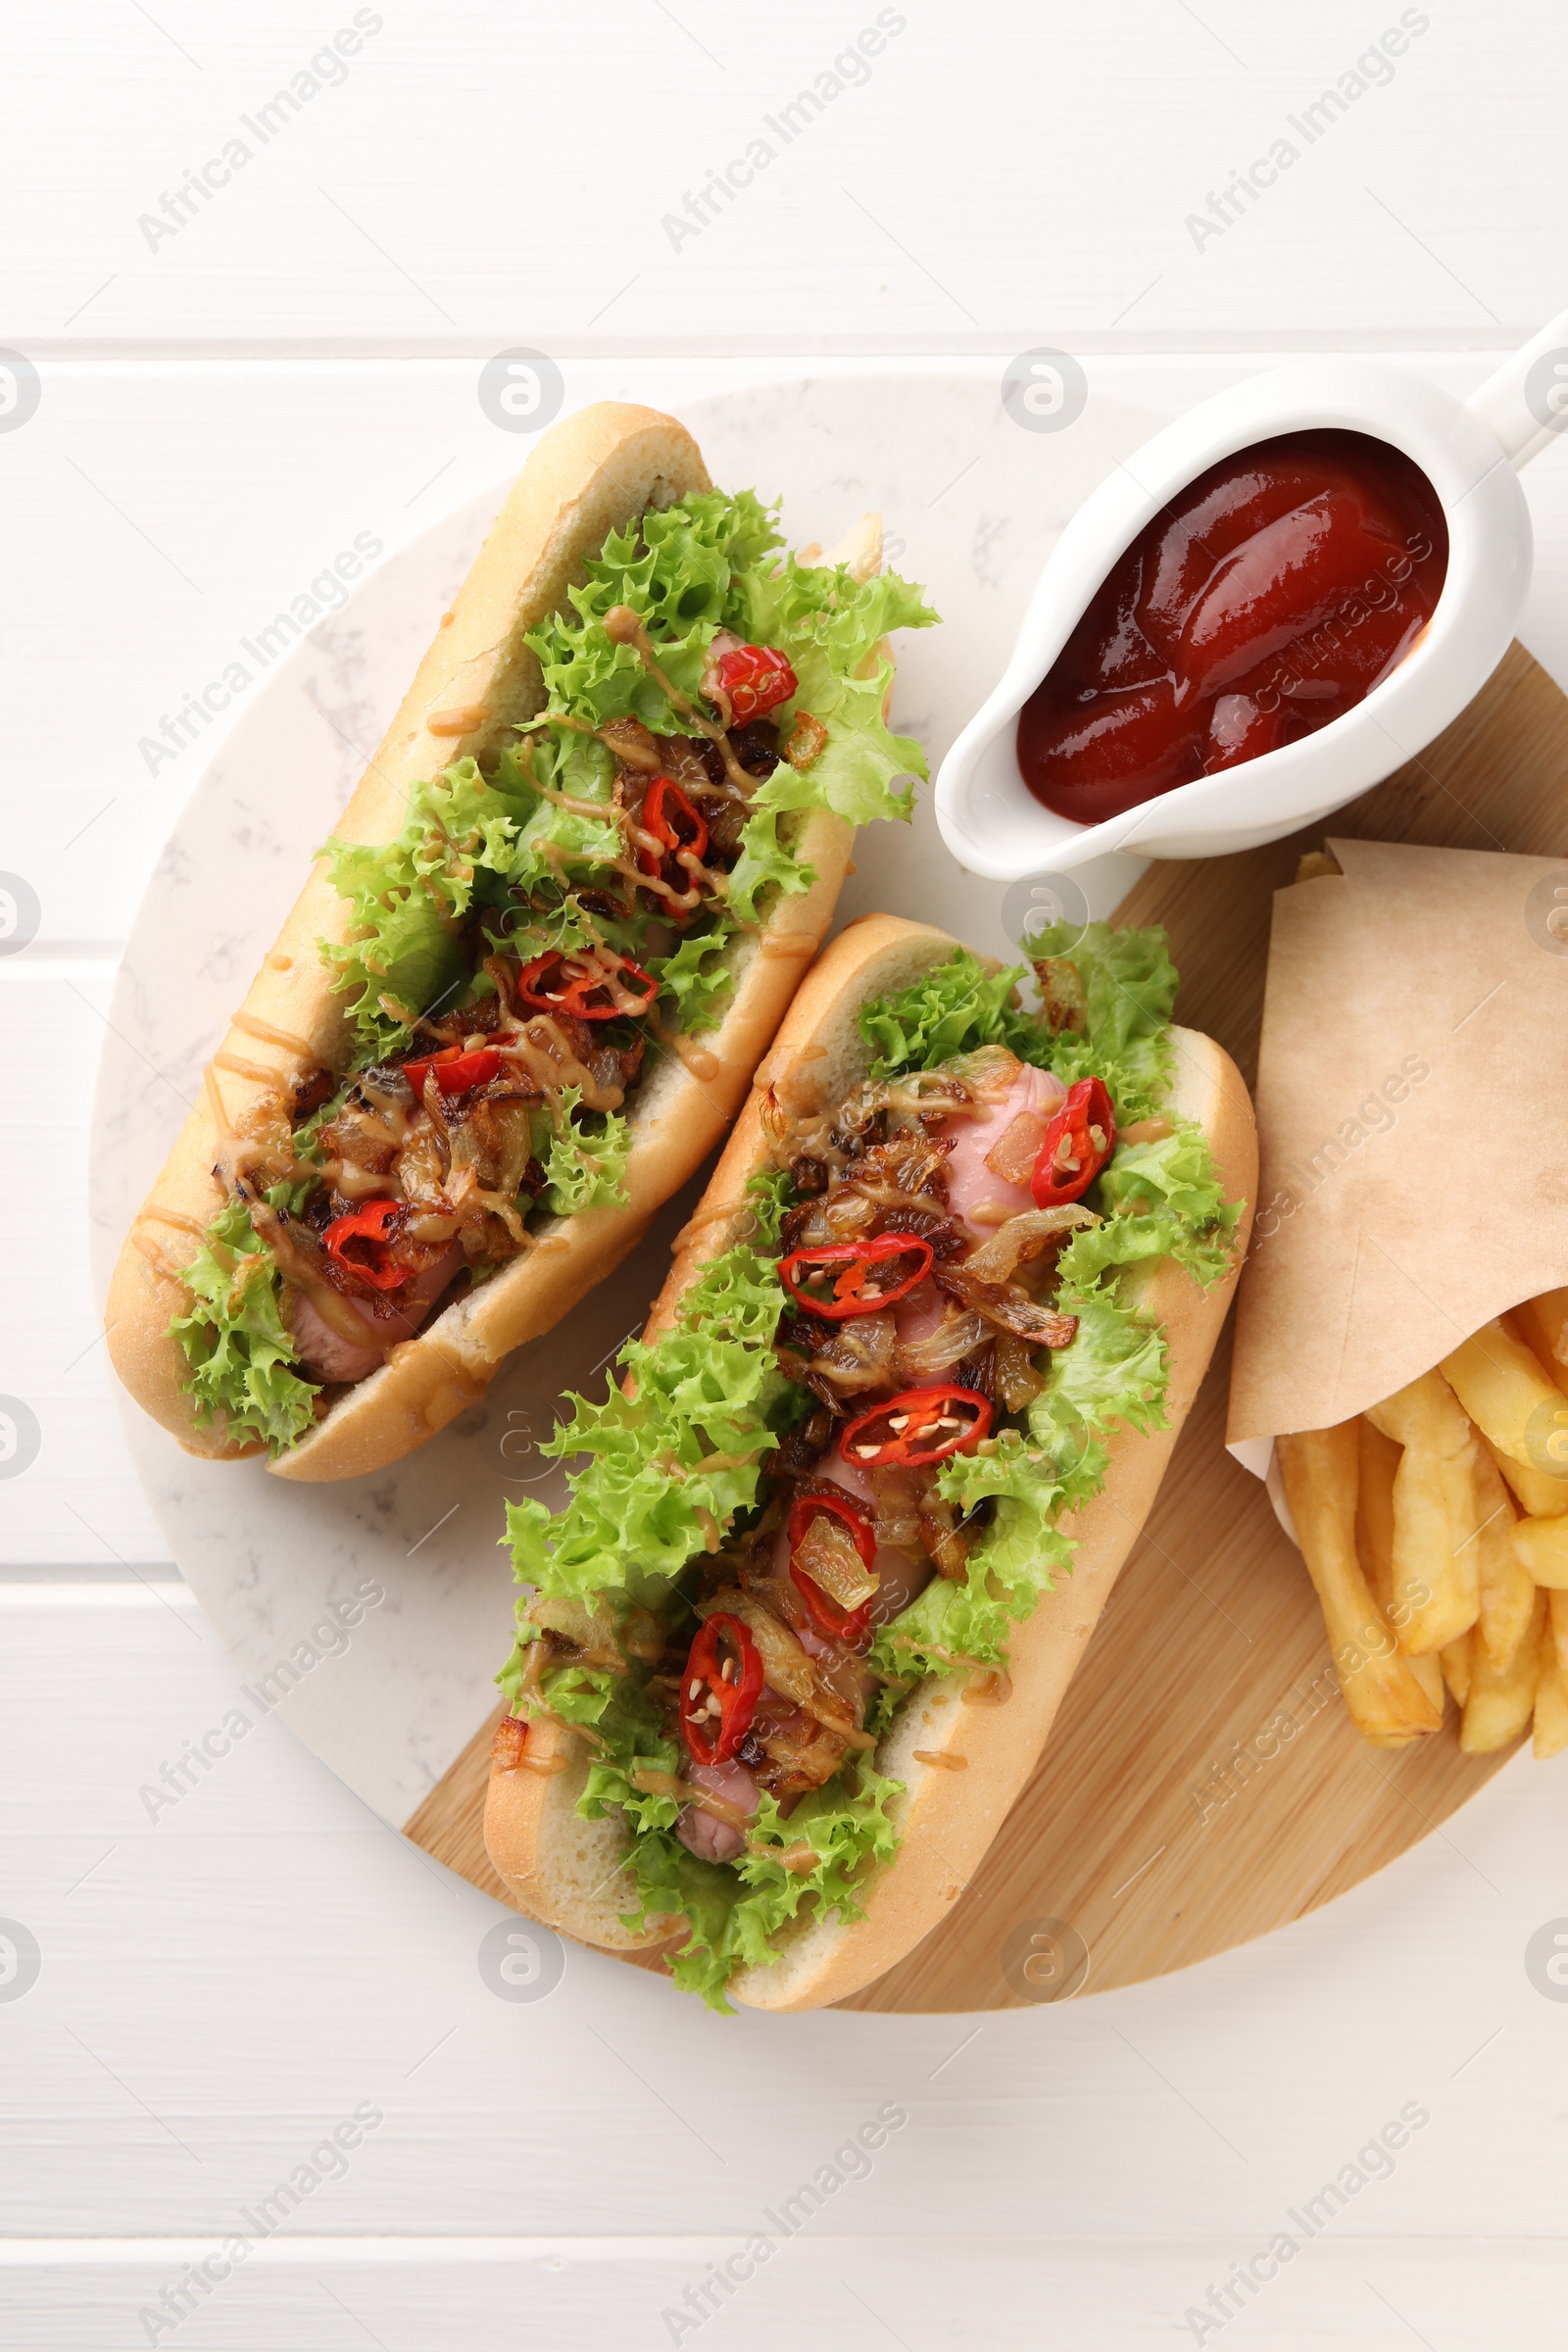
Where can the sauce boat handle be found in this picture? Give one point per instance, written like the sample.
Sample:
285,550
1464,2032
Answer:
1526,402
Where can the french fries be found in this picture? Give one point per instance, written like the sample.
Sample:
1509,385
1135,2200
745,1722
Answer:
1321,1473
1504,1388
1551,1690
1502,1700
1437,1587
1540,1546
1543,1495
1457,1662
1379,1462
1507,1589
1544,1323
1434,1529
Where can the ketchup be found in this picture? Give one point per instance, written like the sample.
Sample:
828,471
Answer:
1267,598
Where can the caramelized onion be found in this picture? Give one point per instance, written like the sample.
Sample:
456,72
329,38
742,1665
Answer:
859,1354
944,1538
1063,1000
841,1217
1018,1383
904,1173
496,1141
989,1070
1007,1307
1024,1238
801,1750
508,1743
591,1632
896,1492
923,1361
1012,1157
911,1092
678,759
708,1801
827,1554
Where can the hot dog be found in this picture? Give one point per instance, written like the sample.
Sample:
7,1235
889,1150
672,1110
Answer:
792,1649
527,982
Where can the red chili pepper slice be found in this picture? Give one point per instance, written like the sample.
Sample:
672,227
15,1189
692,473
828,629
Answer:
677,824
1069,1158
457,1071
756,679
848,1269
360,1246
557,983
920,1438
671,817
713,1739
827,1615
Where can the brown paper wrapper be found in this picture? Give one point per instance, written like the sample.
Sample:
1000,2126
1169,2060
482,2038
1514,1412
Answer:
1412,1110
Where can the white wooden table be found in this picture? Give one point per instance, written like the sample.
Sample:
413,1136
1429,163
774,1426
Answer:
229,399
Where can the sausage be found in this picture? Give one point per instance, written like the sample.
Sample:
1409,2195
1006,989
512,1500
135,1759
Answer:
704,1833
328,1356
970,1183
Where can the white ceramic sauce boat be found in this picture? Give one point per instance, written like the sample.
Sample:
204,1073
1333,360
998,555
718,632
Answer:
1468,450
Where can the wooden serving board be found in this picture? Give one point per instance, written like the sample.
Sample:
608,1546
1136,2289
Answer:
1203,1783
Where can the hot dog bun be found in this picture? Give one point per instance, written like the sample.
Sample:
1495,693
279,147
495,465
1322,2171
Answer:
591,474
562,1870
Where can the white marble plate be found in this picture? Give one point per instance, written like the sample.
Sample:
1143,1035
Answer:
971,503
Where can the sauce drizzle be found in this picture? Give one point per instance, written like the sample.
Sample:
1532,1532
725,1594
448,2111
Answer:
269,1034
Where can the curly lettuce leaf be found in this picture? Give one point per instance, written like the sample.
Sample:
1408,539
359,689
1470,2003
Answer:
1112,1377
832,622
1130,987
242,1360
831,626
1129,983
696,978
404,896
559,845
398,951
1022,1552
650,1490
954,1007
1159,1200
734,1911
676,572
632,1524
698,567
617,1709
863,772
587,1170
765,864
1162,1199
